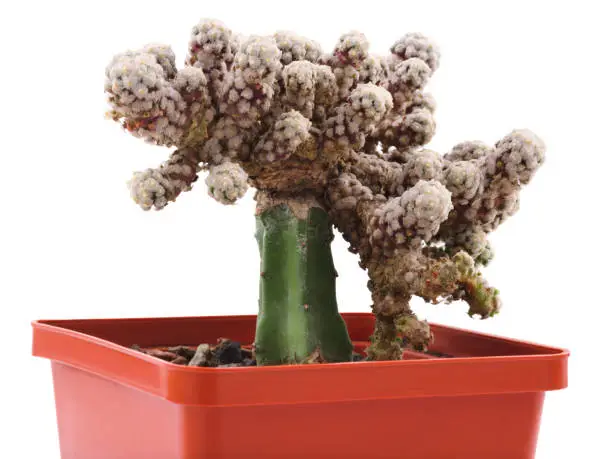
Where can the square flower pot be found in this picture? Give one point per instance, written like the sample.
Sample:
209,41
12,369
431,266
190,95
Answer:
113,402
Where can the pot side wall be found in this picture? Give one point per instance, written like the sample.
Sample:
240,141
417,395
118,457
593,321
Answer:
102,419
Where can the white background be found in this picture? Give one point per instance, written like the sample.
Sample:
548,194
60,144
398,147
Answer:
74,245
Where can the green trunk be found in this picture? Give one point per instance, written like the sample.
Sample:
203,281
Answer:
298,313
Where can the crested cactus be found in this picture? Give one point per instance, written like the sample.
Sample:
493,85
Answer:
327,139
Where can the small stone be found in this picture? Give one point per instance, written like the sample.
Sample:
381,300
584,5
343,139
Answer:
183,351
249,363
357,357
228,351
315,358
180,360
204,357
164,355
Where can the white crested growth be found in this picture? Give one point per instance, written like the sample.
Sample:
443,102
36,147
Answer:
352,47
366,106
192,85
248,90
150,189
348,57
212,47
227,183
407,77
472,240
468,150
211,44
499,200
155,188
416,45
143,100
374,69
326,92
259,59
299,78
283,139
464,179
164,56
517,156
419,165
408,130
414,216
296,48
227,141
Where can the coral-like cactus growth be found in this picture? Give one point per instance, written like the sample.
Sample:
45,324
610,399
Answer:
326,139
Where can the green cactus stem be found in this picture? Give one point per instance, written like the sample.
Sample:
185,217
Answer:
298,314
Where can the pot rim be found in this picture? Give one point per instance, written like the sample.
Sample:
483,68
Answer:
529,367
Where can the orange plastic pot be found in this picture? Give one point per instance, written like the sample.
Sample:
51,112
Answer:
117,403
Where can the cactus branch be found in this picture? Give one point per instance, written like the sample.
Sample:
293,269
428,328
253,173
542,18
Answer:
155,188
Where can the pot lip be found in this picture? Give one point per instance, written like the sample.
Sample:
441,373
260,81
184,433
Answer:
545,368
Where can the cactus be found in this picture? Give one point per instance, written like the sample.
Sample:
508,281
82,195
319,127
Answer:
298,314
327,139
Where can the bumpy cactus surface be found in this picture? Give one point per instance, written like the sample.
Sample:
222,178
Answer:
326,139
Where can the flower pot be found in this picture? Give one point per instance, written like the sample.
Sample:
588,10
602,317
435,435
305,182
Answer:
117,403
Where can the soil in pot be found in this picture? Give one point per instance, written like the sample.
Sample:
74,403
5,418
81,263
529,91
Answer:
227,354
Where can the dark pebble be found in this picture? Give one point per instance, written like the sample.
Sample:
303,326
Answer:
357,357
183,351
228,351
164,355
249,363
246,353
